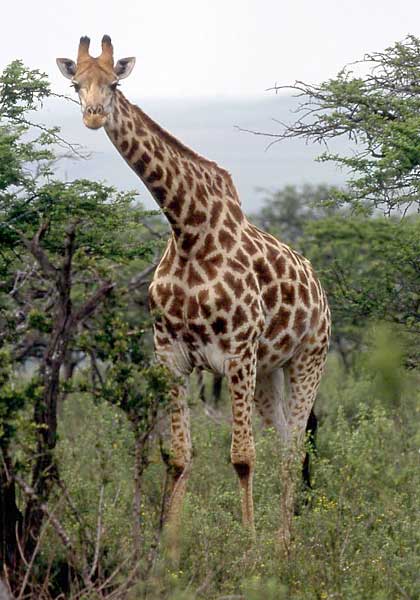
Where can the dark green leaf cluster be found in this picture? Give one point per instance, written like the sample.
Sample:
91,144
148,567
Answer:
21,90
131,380
25,147
370,267
14,397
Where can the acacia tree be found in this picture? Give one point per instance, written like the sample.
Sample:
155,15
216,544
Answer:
370,268
375,103
67,250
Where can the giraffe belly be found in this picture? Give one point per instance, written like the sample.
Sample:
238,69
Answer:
211,358
181,358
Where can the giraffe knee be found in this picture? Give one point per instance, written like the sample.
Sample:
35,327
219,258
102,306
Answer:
242,469
181,454
180,460
243,461
179,470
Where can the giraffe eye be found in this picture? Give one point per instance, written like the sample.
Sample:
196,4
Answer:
114,85
76,86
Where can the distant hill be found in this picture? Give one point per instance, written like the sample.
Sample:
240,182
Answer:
209,127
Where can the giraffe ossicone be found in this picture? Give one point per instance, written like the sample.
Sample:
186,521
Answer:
227,297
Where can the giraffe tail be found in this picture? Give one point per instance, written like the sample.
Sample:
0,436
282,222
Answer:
311,429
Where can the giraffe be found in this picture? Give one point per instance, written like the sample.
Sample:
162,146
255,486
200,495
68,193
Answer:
226,297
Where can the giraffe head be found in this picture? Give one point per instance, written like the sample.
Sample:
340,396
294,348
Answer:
95,79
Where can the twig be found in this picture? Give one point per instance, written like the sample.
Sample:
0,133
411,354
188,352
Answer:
29,491
21,552
58,139
127,582
113,575
74,510
59,529
31,562
203,587
90,305
142,277
98,533
155,234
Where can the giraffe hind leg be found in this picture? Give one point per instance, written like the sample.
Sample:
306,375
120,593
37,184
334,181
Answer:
302,377
270,400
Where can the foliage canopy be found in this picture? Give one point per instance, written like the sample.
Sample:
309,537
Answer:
375,103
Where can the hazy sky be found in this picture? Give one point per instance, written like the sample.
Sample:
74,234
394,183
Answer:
207,47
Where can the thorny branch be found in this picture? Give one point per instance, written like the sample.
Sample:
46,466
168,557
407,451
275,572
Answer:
98,534
59,529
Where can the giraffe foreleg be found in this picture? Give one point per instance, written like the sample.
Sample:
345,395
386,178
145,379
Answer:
180,459
241,381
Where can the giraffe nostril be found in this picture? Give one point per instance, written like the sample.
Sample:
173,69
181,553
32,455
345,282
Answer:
95,110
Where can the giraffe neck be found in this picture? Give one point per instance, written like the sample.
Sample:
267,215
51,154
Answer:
190,190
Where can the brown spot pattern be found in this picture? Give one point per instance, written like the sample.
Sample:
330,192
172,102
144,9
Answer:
288,295
278,323
222,281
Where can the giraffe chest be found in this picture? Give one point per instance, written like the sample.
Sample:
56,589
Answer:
204,325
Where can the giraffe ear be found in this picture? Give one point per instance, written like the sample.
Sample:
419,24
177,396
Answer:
124,67
67,67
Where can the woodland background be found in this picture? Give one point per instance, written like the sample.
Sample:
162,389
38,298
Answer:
84,452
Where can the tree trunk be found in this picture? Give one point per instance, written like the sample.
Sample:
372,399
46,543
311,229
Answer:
10,517
140,463
44,471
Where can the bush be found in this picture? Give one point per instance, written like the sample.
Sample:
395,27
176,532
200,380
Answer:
355,538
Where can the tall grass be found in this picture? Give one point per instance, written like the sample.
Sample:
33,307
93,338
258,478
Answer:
356,537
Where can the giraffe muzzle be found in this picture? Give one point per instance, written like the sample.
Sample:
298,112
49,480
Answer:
94,117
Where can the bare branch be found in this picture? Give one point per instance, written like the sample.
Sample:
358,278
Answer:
75,148
98,533
142,277
90,305
38,252
30,492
